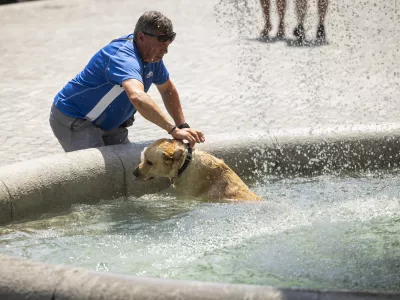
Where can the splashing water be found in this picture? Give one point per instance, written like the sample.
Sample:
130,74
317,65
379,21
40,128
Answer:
323,232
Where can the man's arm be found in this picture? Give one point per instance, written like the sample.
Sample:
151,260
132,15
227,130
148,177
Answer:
145,105
149,109
171,100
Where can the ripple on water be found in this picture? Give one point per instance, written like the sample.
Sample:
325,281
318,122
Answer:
323,232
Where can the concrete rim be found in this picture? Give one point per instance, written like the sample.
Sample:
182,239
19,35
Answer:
32,188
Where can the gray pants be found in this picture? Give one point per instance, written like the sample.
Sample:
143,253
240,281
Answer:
77,134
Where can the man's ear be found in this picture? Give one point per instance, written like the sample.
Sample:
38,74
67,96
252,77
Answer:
140,35
167,158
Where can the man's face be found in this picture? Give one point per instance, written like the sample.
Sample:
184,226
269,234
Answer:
152,49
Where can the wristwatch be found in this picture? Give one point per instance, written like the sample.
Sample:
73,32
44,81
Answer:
184,125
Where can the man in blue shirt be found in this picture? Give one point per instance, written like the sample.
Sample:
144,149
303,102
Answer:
95,108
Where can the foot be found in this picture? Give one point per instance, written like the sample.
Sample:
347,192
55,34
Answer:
281,31
321,33
265,32
299,33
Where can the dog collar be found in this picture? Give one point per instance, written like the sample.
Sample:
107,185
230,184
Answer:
188,159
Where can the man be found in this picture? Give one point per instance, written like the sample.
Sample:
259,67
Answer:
301,9
281,5
95,108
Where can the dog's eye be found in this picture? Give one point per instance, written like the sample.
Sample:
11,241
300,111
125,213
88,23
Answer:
149,163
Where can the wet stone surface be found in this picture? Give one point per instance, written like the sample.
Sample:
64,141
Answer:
228,80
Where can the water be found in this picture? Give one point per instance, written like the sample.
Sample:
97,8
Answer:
323,232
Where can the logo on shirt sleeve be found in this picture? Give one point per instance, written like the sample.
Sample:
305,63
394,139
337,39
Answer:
149,74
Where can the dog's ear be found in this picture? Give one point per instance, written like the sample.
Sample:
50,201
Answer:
178,154
168,158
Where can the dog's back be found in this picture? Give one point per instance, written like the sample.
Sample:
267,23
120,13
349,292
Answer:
210,178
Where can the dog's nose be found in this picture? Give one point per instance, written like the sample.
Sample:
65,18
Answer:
136,172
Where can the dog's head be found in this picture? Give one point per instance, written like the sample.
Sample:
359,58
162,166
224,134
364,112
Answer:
161,159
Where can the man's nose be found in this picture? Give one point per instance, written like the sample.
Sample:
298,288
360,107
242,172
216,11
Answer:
166,45
165,49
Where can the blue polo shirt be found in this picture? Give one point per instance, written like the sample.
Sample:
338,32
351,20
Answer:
96,93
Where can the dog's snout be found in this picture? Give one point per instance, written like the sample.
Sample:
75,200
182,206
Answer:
136,172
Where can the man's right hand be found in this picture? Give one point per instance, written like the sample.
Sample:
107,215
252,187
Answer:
188,134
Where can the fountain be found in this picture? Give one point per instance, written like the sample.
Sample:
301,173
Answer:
141,228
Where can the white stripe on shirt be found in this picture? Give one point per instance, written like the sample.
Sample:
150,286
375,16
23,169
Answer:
104,102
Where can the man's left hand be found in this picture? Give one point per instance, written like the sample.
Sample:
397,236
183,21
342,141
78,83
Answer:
189,134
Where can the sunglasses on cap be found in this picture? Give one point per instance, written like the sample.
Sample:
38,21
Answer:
162,37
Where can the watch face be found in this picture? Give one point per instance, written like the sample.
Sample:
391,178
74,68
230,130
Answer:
184,125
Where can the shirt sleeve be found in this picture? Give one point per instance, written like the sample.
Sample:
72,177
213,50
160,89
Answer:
123,66
161,75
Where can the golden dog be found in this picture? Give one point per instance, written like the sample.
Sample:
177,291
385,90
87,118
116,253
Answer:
197,173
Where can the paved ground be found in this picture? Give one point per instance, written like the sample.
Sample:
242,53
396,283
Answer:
227,80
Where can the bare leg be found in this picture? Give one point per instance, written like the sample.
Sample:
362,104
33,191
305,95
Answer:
281,4
301,10
322,8
265,4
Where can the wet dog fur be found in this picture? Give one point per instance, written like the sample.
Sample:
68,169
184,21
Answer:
206,176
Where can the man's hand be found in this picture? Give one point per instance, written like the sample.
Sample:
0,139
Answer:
189,134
